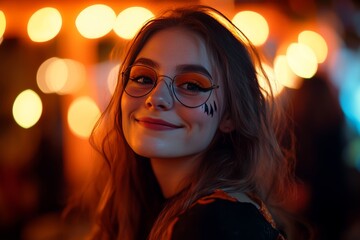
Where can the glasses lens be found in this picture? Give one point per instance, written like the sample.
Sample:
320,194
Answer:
192,89
140,80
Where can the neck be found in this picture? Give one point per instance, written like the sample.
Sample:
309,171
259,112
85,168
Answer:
172,173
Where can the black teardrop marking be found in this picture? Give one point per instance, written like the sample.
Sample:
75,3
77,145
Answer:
206,109
211,110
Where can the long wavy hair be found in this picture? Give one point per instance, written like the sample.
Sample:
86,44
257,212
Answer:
248,159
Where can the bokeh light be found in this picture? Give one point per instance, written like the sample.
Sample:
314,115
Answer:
345,71
56,74
275,87
2,24
61,76
82,116
27,108
113,78
284,74
76,77
316,42
44,24
301,60
95,21
253,25
130,20
350,102
41,76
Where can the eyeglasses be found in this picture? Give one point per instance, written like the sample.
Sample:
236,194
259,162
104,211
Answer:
191,89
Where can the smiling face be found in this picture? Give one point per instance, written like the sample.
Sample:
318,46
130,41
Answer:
157,125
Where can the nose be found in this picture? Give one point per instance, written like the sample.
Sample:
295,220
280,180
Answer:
160,97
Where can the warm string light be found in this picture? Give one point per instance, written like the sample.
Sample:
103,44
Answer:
130,20
113,78
44,24
316,42
2,24
253,25
302,60
95,21
82,116
61,76
284,75
271,84
27,108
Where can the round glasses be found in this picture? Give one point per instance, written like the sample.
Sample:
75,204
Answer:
191,89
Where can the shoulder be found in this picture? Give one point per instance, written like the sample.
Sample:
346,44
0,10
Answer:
221,216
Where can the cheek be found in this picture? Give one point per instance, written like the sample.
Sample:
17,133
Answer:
203,128
205,117
124,113
124,108
218,98
128,106
212,107
124,103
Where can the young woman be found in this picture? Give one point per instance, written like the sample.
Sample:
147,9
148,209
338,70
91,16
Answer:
189,137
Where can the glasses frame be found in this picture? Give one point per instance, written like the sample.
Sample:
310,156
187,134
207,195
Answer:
126,76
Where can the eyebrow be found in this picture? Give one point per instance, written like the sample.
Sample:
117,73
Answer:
180,68
148,62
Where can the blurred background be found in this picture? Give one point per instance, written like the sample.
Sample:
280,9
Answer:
57,75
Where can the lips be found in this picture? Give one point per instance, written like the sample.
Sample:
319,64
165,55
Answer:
157,124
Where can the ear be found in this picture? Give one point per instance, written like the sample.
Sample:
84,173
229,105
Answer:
226,124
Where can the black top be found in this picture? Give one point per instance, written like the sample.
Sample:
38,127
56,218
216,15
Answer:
224,220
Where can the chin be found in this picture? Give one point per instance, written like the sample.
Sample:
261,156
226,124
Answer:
150,151
156,152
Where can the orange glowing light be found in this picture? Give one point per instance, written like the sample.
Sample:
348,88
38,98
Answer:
129,21
44,24
253,25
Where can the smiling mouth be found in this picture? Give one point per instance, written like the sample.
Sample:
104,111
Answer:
157,124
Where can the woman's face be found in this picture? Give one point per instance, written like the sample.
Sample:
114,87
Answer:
157,125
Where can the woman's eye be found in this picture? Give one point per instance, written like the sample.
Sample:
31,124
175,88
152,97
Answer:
142,80
190,86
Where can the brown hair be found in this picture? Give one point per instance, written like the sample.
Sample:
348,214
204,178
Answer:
248,159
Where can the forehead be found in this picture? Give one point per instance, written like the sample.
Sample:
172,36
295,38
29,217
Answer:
176,46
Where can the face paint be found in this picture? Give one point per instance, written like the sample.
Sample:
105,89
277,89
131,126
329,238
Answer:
187,132
210,111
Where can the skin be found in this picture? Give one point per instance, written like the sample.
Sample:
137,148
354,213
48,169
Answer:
175,148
